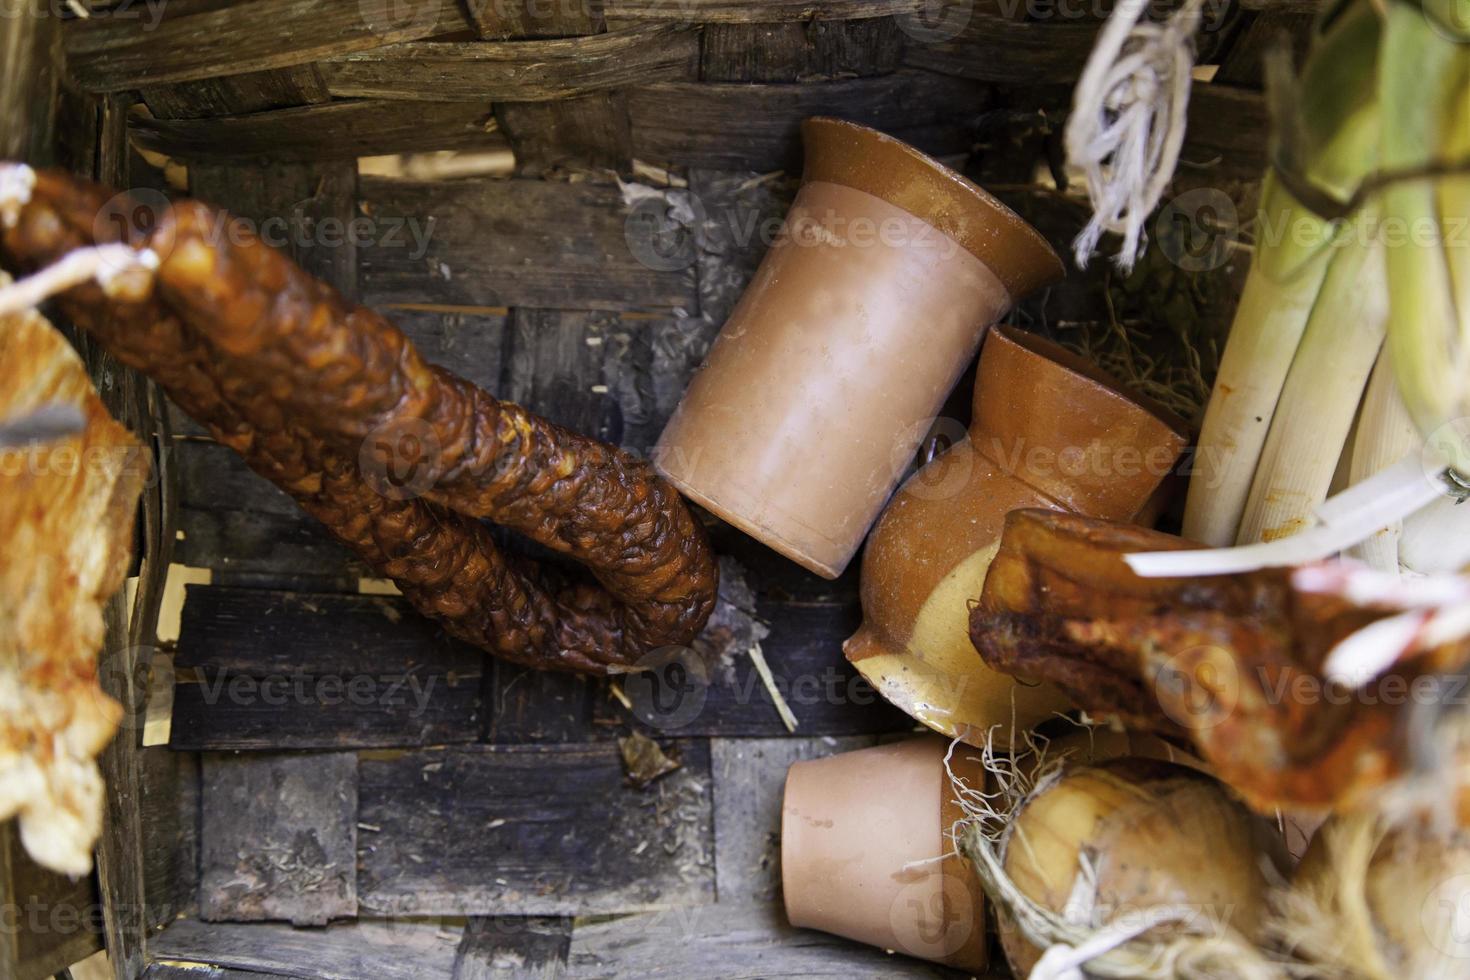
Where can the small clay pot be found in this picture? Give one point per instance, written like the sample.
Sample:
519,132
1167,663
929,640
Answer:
860,835
1048,430
861,318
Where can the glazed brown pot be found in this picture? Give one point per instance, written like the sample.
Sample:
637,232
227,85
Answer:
1048,430
861,318
860,835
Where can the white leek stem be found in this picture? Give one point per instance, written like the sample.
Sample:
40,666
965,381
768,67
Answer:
1322,391
1386,434
101,262
1345,520
1436,540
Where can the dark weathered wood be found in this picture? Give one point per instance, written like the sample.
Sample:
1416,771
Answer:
501,20
527,706
514,243
279,838
334,131
507,946
393,950
261,669
531,830
193,971
185,40
728,942
271,545
49,920
588,371
744,12
1006,51
27,84
233,95
1243,63
690,125
800,51
750,780
169,803
525,71
804,653
472,345
588,132
1225,135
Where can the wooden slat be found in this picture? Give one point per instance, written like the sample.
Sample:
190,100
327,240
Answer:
352,951
515,243
744,12
750,781
1225,134
184,40
524,71
27,85
690,125
588,132
729,942
800,52
1243,63
169,805
1010,52
533,830
52,921
804,653
178,971
233,95
279,838
501,20
262,669
334,131
529,948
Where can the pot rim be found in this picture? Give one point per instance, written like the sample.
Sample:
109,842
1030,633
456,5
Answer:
865,159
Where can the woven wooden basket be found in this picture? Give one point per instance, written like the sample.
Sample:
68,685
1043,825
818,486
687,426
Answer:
561,200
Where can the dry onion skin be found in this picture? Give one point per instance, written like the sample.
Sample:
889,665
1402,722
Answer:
1139,841
1378,901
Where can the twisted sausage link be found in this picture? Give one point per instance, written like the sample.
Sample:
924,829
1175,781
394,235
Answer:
295,379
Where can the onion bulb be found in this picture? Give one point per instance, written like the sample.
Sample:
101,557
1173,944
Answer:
1378,902
1123,841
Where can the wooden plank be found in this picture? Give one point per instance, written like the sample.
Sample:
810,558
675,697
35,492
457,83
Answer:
800,52
49,921
697,695
1243,63
509,946
743,12
1225,135
514,243
169,804
690,125
1011,52
557,830
728,942
185,40
334,131
472,345
27,85
589,371
587,132
346,951
749,777
178,971
501,20
279,838
276,546
524,71
263,669
233,95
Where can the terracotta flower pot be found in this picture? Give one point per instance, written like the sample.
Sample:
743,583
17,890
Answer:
853,826
861,318
1048,430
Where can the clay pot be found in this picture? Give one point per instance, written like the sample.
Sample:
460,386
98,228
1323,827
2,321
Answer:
861,318
1048,430
851,826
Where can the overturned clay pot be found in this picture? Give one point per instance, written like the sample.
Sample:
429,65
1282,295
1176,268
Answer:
1048,430
861,837
862,317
